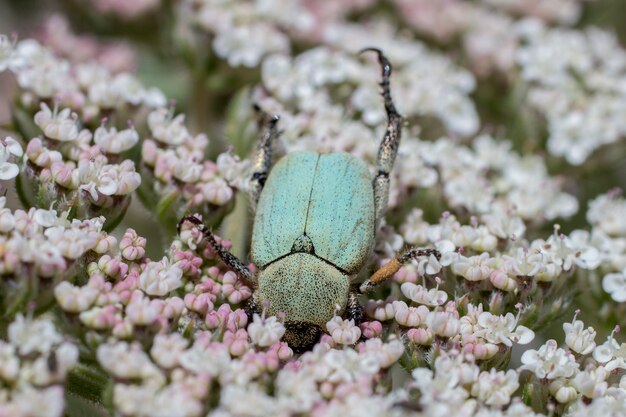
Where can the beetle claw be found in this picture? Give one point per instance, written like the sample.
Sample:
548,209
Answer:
192,219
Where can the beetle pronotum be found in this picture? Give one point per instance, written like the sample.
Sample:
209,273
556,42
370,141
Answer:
314,229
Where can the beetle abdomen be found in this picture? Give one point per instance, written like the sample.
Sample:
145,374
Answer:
327,198
304,287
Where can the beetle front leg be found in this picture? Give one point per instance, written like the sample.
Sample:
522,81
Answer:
228,258
263,161
387,270
354,309
389,146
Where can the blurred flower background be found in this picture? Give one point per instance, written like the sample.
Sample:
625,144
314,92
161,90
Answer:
117,118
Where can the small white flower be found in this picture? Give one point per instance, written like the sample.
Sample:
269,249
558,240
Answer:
578,339
502,329
43,402
245,45
141,311
524,262
159,278
342,331
216,191
33,335
203,359
75,299
549,361
9,362
563,391
495,387
591,382
615,284
265,331
474,268
410,316
9,147
7,52
608,213
61,126
115,142
168,129
611,354
443,323
381,310
167,349
433,297
128,361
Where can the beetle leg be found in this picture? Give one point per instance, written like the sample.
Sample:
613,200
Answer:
263,161
354,309
228,258
389,146
251,308
387,270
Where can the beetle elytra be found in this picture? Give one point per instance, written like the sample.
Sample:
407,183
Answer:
314,229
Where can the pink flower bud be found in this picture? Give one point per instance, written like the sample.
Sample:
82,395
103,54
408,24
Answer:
132,246
482,351
123,329
371,329
173,307
443,323
237,342
380,310
105,244
410,316
113,267
62,174
213,320
327,389
283,351
406,274
238,319
420,336
271,361
200,303
342,331
327,339
502,281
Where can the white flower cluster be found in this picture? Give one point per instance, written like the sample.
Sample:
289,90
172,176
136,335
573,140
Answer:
477,332
9,150
79,170
87,87
126,291
325,381
456,386
34,363
40,243
179,165
565,12
245,32
303,91
474,253
607,215
577,81
581,375
488,31
488,178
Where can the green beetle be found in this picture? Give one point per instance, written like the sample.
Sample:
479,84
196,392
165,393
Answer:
314,230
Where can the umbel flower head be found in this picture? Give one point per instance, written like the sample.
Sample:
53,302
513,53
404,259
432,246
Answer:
508,109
